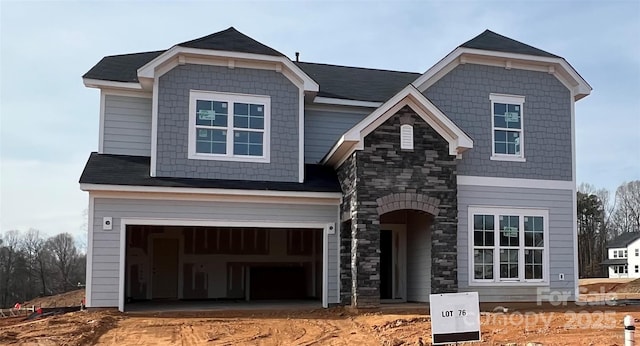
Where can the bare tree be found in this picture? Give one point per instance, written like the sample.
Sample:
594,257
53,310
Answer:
65,257
8,258
38,259
626,217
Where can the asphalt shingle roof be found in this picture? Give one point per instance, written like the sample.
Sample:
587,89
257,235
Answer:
342,82
231,40
614,261
108,169
121,68
356,83
489,40
623,240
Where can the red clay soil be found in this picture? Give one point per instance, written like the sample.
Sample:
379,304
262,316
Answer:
71,298
337,326
629,287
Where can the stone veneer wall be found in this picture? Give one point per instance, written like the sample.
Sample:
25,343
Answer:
382,169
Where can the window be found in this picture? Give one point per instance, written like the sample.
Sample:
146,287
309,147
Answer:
507,127
620,269
229,127
637,252
615,253
625,254
509,245
637,268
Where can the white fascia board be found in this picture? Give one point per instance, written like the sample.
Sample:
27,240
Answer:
343,102
148,71
515,182
97,83
208,191
456,57
458,140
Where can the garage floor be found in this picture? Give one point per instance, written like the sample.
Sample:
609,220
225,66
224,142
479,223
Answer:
182,306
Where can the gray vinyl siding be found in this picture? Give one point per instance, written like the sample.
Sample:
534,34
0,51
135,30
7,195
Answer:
561,255
127,125
173,123
463,95
323,128
106,244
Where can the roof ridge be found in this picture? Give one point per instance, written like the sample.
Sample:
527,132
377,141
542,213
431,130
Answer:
138,53
355,67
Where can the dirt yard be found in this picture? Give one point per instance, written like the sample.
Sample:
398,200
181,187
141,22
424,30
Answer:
547,325
521,324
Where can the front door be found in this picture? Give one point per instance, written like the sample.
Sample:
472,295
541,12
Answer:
393,262
165,268
386,264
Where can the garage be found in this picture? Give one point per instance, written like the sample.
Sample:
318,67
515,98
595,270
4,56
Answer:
241,264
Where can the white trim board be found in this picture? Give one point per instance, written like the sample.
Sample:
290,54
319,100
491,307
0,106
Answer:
148,71
343,102
124,222
89,267
516,182
209,191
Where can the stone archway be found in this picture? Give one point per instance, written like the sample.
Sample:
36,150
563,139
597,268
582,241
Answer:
409,201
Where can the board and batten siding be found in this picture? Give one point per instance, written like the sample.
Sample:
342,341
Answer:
323,128
127,125
106,244
418,258
561,253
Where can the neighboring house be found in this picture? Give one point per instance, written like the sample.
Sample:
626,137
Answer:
623,256
227,171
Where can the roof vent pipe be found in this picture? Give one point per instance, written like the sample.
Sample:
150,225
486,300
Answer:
297,56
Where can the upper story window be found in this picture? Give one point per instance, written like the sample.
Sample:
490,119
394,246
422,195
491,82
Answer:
507,127
509,245
230,127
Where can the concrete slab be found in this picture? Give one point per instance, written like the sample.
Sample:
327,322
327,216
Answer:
208,305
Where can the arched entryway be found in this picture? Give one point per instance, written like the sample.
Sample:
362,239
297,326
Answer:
405,246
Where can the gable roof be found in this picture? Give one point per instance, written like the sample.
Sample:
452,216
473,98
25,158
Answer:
489,40
231,40
356,83
125,170
353,139
623,240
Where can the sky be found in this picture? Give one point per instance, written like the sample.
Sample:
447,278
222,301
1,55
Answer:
49,119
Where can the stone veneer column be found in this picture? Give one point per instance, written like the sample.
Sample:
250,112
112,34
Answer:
382,169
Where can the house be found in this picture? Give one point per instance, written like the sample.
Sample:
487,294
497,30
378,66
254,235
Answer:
623,256
225,170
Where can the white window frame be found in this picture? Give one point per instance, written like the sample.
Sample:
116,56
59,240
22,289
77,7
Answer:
509,211
230,98
513,100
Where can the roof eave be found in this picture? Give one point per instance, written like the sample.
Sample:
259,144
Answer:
148,71
99,84
557,66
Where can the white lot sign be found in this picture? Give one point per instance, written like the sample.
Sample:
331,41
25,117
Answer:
455,317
